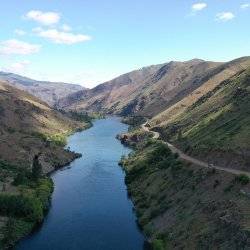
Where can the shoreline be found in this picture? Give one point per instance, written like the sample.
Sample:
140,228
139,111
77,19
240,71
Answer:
34,226
34,240
158,183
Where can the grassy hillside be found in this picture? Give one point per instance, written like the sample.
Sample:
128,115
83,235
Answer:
28,128
182,206
217,125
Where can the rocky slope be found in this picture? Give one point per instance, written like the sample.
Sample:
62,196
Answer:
50,92
213,122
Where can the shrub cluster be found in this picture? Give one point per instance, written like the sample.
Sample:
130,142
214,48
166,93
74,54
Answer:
24,210
30,205
158,156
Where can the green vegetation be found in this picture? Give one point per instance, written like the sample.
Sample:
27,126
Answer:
218,123
243,179
157,156
181,206
15,229
24,190
27,207
25,210
158,244
7,166
150,157
59,139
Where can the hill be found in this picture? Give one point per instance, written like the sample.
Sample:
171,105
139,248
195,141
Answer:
145,92
183,206
213,122
50,92
26,124
32,140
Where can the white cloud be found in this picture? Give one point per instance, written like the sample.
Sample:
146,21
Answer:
245,6
14,46
225,16
61,37
66,28
20,32
198,6
17,67
45,18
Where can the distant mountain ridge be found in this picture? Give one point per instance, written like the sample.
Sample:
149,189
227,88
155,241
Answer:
50,92
146,91
97,98
151,90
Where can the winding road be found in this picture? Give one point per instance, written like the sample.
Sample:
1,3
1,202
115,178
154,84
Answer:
185,157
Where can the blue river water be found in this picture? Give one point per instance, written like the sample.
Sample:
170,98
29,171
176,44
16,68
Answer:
90,209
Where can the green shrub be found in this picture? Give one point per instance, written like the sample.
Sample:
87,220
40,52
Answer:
29,206
20,206
158,244
58,139
14,230
243,179
7,166
43,191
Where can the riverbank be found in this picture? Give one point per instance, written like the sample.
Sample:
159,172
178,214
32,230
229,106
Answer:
24,211
89,202
182,206
25,201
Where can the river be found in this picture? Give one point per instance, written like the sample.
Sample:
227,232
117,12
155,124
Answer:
90,209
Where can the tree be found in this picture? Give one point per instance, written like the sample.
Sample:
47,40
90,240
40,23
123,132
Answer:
36,168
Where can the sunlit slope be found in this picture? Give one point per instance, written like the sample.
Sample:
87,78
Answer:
216,124
25,125
145,92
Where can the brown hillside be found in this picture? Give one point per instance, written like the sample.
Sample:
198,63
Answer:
145,92
25,125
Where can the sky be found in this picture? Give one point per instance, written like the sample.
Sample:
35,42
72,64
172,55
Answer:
91,41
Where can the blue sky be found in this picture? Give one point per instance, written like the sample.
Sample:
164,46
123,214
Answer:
91,41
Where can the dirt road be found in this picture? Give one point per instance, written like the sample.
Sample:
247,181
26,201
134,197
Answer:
190,159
